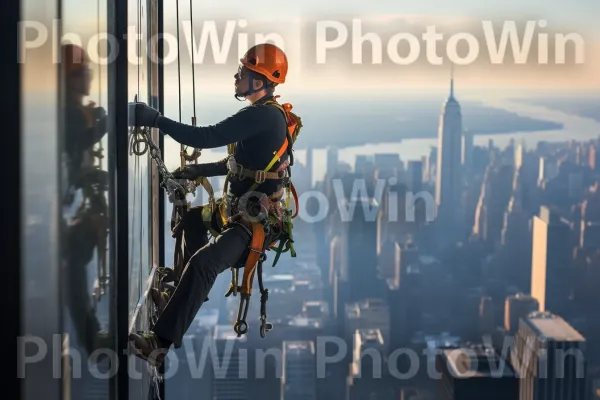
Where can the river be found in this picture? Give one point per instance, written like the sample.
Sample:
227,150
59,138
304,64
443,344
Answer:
575,127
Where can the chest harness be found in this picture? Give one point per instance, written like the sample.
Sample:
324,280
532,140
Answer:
267,219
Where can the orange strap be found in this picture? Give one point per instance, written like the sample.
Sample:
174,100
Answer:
256,249
295,200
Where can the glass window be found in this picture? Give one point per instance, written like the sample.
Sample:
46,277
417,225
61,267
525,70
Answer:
143,180
39,192
140,250
85,206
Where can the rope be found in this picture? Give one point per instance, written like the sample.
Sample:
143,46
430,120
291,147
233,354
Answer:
139,44
185,157
133,214
193,65
178,59
138,171
100,146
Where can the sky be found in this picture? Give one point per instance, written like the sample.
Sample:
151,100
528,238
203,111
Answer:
296,24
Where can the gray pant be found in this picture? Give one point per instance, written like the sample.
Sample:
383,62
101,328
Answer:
206,261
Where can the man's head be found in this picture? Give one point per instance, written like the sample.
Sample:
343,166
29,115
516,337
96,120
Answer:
76,70
263,67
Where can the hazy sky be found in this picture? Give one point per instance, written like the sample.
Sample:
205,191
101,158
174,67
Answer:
296,24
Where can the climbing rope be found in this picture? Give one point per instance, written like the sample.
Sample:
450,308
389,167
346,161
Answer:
142,144
185,157
95,200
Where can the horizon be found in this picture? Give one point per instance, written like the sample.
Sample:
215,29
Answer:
295,26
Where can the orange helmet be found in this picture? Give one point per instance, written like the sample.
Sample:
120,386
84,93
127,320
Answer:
74,58
268,60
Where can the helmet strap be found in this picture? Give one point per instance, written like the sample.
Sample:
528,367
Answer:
252,77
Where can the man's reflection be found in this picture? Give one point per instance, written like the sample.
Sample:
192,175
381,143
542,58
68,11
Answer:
85,213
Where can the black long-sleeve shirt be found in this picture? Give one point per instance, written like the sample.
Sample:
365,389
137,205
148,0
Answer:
258,131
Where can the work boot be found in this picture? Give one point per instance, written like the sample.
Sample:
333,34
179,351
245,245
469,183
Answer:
149,347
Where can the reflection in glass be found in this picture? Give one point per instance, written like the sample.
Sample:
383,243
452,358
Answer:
85,207
139,180
39,201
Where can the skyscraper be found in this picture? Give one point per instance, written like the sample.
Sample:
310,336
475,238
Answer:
299,371
551,261
549,357
517,307
332,161
467,151
474,372
230,382
449,165
359,252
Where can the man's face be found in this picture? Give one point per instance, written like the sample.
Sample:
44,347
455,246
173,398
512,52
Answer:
80,81
242,80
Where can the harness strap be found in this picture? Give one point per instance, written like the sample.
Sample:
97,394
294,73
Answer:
255,254
295,194
259,176
276,157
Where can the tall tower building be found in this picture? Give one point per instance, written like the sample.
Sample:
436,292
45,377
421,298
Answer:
518,307
449,166
551,271
309,166
474,372
332,161
231,381
549,356
299,380
467,151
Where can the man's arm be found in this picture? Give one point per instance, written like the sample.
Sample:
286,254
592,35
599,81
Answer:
246,123
194,171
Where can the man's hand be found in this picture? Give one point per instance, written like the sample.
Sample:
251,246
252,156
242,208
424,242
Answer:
140,114
190,172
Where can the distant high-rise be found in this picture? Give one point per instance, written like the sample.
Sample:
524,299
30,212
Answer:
299,380
449,183
467,151
431,166
369,314
549,358
475,372
359,252
232,381
367,372
309,166
519,150
332,161
551,261
415,176
517,307
387,165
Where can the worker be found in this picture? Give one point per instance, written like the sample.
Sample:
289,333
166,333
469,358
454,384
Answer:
85,212
258,133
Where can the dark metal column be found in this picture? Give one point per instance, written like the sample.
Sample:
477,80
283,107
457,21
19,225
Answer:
161,144
118,167
10,244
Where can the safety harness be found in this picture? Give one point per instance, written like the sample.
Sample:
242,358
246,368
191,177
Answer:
272,222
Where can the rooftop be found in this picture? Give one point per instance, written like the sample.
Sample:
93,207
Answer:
553,327
301,321
369,337
299,347
476,362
